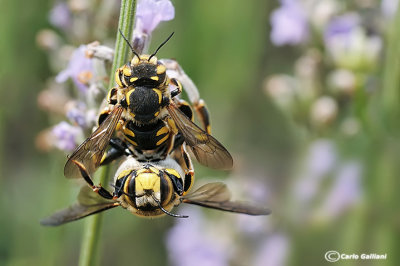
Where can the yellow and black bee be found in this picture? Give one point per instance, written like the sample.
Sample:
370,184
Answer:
144,108
149,190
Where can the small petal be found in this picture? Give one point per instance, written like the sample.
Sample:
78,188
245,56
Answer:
273,251
60,16
150,13
66,136
76,113
80,69
289,24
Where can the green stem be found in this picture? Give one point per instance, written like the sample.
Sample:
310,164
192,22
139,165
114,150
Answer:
391,74
91,235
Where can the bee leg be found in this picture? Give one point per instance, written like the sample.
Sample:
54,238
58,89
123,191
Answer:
203,114
118,149
182,157
178,86
98,189
191,91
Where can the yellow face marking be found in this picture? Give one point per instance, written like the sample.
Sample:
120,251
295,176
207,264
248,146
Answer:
162,140
147,181
159,93
162,131
144,57
117,78
156,114
127,71
135,60
153,60
154,78
172,172
133,79
160,69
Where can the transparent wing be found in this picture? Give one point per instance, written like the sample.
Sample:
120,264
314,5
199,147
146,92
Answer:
90,152
88,203
217,196
206,148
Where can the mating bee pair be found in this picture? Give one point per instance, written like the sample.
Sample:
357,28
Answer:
156,127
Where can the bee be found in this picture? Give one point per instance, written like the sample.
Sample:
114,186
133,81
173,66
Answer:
149,190
144,107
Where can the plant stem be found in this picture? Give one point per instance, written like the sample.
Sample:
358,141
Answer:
91,235
391,74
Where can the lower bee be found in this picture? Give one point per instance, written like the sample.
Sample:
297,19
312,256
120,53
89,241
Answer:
149,190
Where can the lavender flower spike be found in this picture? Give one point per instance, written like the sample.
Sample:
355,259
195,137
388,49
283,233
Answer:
60,16
66,136
289,24
80,69
150,13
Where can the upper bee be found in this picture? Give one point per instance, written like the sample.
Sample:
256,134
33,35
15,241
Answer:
145,71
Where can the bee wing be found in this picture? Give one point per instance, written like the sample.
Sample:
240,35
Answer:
217,196
206,148
88,203
90,152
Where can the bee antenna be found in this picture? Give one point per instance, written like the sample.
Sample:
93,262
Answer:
133,50
167,212
161,45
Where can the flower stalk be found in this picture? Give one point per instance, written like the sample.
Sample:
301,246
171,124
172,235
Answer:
391,74
90,241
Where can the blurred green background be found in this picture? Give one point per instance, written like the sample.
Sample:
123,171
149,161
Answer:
224,47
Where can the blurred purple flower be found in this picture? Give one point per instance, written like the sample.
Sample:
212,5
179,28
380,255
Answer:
80,69
321,159
188,243
60,16
346,190
389,7
341,27
150,13
66,136
289,24
273,251
76,113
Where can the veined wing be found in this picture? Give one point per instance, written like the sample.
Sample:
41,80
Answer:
217,196
90,152
206,148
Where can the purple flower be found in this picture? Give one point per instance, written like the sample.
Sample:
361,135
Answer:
350,45
66,136
320,161
76,113
341,27
273,251
289,24
60,16
346,190
189,243
80,69
150,13
389,7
